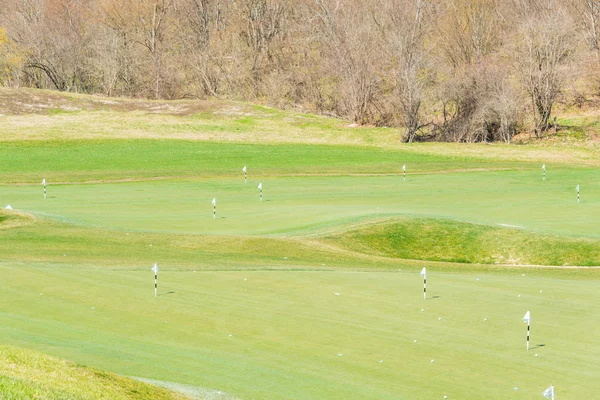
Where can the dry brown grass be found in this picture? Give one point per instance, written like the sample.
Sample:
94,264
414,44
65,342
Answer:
45,115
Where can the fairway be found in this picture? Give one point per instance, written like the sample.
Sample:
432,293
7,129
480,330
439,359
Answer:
313,292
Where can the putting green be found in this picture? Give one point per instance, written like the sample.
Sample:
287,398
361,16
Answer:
299,205
306,335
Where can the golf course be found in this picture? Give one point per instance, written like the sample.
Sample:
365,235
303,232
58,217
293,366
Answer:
308,288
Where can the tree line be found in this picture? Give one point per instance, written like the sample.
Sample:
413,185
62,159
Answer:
450,70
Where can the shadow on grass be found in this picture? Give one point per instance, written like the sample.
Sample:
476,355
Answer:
164,294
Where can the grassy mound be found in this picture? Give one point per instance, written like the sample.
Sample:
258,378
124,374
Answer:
460,242
13,219
26,374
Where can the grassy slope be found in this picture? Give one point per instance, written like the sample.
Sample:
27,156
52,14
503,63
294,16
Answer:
459,242
26,374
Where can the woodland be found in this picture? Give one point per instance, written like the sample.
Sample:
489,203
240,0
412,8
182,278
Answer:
446,70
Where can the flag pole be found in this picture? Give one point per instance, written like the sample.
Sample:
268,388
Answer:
214,203
544,172
404,171
577,194
552,386
528,330
260,187
245,175
155,269
424,275
44,183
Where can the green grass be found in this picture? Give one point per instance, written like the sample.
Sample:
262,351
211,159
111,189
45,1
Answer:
277,335
260,301
88,160
26,374
459,242
310,205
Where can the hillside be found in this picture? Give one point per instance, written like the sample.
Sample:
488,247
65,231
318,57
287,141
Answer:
45,116
27,374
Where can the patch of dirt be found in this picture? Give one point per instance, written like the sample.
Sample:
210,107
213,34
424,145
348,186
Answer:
30,101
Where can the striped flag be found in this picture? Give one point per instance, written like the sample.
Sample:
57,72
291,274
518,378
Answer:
424,275
549,393
260,187
214,203
245,176
527,318
155,270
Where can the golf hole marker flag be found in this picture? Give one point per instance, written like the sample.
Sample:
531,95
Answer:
549,393
214,203
544,172
527,318
245,176
404,171
155,270
260,187
577,188
44,183
424,275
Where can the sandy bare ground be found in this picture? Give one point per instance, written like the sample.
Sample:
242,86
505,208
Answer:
193,392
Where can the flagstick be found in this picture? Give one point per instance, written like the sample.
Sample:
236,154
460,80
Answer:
260,194
245,177
214,211
155,270
552,386
577,196
528,329
425,287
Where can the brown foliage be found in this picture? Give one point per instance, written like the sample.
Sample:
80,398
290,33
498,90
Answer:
457,70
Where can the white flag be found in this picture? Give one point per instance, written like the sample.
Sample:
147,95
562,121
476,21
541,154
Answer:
527,317
155,268
577,188
260,186
549,393
544,167
424,272
214,202
44,182
8,207
244,169
404,168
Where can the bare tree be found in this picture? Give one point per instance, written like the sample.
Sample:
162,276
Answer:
145,23
588,12
404,27
543,55
348,52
